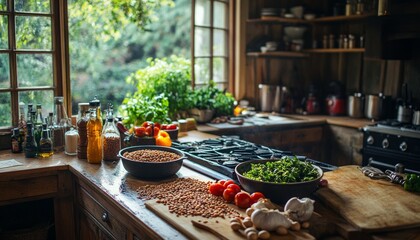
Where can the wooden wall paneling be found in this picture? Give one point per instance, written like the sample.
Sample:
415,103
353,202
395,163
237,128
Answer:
392,81
372,76
352,71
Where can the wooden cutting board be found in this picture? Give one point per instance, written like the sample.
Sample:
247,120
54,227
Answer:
220,226
372,205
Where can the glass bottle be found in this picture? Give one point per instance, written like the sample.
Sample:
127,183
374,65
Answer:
61,124
111,139
30,147
38,116
94,132
22,120
16,141
45,144
30,108
82,120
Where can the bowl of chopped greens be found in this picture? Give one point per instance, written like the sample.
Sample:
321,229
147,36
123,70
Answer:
279,179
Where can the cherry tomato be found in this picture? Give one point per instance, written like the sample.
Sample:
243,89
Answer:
229,194
222,182
323,183
255,196
234,187
171,127
163,126
155,131
227,183
216,189
157,125
242,200
140,131
149,131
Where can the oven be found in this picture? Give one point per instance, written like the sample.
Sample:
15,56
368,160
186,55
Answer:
386,146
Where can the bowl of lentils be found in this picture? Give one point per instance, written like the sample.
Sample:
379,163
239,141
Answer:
279,179
151,162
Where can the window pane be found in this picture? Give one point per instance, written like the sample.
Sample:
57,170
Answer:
33,32
220,15
39,6
219,70
3,5
202,12
4,42
34,70
202,42
5,109
45,98
202,70
219,42
5,71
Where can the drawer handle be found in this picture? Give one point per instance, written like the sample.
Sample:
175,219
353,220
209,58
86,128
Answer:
105,217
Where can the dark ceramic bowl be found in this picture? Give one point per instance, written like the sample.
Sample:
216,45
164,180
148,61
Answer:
277,192
152,170
173,134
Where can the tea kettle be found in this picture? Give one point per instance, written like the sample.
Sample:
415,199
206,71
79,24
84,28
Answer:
335,101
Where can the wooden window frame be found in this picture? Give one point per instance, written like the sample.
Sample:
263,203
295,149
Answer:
59,54
230,30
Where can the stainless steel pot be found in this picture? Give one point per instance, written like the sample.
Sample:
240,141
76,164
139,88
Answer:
404,114
373,106
416,117
355,105
270,98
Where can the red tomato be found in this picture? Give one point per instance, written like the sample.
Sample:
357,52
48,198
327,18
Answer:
146,124
229,194
255,196
242,200
171,127
149,131
139,131
234,187
222,182
155,132
163,126
216,189
323,183
157,125
227,183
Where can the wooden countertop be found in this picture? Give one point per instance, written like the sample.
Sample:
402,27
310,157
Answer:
112,181
343,121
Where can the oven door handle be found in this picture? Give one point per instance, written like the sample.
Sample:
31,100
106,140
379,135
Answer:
374,163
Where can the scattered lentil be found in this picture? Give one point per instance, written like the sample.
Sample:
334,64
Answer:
187,197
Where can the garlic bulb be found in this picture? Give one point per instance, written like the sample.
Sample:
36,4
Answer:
263,203
268,219
299,209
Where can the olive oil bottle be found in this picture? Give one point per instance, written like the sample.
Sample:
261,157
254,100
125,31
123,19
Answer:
45,144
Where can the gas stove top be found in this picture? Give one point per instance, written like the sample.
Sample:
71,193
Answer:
393,127
223,154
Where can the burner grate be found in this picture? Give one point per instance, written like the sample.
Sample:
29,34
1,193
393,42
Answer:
224,154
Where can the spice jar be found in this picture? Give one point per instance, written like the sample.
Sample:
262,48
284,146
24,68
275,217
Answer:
71,139
94,132
111,140
352,41
82,120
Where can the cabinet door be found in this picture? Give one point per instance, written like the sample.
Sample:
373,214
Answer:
89,230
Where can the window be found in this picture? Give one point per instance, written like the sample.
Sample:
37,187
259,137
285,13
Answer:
210,43
28,69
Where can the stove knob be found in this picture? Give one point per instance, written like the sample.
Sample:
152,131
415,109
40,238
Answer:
403,146
385,143
370,140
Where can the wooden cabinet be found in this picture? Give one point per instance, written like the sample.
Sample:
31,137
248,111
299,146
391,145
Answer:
26,187
344,145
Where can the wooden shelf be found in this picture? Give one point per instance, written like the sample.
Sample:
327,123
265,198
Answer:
341,18
278,20
282,54
304,21
335,50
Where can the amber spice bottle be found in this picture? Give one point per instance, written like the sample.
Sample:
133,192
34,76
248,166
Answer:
94,132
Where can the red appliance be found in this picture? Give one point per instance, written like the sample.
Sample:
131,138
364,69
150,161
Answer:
336,105
312,105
